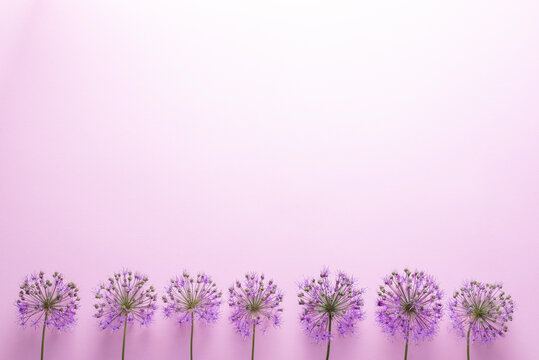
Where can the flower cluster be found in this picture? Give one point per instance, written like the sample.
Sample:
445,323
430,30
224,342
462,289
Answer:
325,302
481,310
48,302
410,304
254,303
125,298
187,296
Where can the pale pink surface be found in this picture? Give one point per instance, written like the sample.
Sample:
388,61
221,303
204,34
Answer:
277,136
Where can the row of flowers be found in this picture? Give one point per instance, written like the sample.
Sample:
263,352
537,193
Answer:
408,304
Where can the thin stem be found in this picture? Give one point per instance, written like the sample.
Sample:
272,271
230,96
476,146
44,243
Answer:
406,350
406,347
125,331
192,329
43,336
253,349
468,341
329,339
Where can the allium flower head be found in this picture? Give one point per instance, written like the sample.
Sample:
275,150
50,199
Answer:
254,302
125,298
340,302
484,309
409,304
47,302
188,297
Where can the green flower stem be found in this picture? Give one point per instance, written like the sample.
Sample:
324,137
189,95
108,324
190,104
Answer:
125,331
406,350
192,329
329,340
406,347
253,349
43,336
468,341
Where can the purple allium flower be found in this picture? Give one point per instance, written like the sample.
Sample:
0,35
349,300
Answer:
327,303
188,297
124,299
480,311
409,304
47,302
254,303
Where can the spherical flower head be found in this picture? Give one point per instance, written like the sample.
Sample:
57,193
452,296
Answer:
339,301
190,297
45,301
255,302
484,309
125,298
409,304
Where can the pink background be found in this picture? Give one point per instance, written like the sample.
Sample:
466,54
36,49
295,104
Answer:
276,136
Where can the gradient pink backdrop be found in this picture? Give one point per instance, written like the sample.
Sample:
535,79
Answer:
277,136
